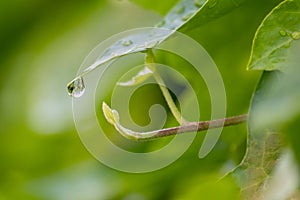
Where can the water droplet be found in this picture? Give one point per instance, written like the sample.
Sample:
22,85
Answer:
282,33
212,3
161,23
127,43
76,87
180,10
187,16
295,35
198,3
113,54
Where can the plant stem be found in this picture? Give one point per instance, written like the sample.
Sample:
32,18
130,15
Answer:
150,62
197,126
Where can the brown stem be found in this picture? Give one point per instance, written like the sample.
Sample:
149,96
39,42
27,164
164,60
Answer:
199,126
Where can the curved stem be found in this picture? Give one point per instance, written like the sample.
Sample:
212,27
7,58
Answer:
150,62
112,116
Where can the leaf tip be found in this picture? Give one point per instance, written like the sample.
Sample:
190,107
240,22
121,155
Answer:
110,115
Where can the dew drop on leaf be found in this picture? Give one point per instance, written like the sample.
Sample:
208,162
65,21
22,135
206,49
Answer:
127,43
295,35
198,3
76,87
161,23
282,33
180,10
113,54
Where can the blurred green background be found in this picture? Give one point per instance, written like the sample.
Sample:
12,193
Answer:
41,156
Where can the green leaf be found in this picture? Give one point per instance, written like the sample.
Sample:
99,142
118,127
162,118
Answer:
275,101
112,116
274,37
281,101
160,6
274,109
263,150
213,9
195,12
279,107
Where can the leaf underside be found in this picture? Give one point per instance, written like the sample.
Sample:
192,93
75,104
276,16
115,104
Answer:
186,15
263,150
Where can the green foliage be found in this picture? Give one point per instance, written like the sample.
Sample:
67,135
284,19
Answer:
41,156
274,103
274,37
270,51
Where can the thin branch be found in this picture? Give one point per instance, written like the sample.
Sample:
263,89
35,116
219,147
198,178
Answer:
112,116
198,126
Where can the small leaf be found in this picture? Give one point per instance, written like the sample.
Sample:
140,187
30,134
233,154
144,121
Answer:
112,116
274,37
142,76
